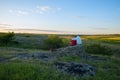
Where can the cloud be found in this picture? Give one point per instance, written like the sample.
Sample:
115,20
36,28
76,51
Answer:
5,26
22,12
78,17
44,8
20,30
18,12
36,30
100,28
47,9
59,9
38,9
11,11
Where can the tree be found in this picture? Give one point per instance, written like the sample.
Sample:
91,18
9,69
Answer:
7,38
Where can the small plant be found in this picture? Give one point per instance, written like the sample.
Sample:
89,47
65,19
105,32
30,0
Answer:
98,49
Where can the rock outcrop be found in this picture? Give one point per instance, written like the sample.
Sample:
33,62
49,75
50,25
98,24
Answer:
75,69
70,51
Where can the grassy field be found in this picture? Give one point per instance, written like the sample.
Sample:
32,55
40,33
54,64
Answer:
112,39
32,69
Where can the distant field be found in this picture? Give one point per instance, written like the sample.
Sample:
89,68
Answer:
113,39
31,69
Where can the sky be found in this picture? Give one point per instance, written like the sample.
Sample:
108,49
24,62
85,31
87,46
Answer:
60,16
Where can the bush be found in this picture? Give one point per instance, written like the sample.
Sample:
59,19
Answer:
65,42
98,49
7,38
53,41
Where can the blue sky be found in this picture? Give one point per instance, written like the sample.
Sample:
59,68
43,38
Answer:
76,16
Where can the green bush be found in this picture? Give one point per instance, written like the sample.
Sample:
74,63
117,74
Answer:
98,49
65,42
7,38
54,41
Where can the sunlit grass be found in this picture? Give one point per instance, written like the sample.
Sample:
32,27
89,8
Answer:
114,38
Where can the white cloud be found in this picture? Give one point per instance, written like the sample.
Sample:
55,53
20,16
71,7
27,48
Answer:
59,9
38,9
100,28
44,8
22,12
18,12
40,12
5,26
11,11
47,9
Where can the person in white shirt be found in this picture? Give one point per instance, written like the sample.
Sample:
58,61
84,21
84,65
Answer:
78,40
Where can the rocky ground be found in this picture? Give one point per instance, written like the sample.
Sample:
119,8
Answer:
75,69
70,51
72,68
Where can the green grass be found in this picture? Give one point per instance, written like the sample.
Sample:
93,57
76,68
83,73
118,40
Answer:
19,71
27,41
112,39
111,42
31,69
45,71
105,70
71,58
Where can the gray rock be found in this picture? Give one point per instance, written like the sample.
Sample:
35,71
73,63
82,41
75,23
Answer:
70,51
76,69
37,56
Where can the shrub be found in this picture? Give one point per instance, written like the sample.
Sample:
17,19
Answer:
7,38
53,41
98,49
65,42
